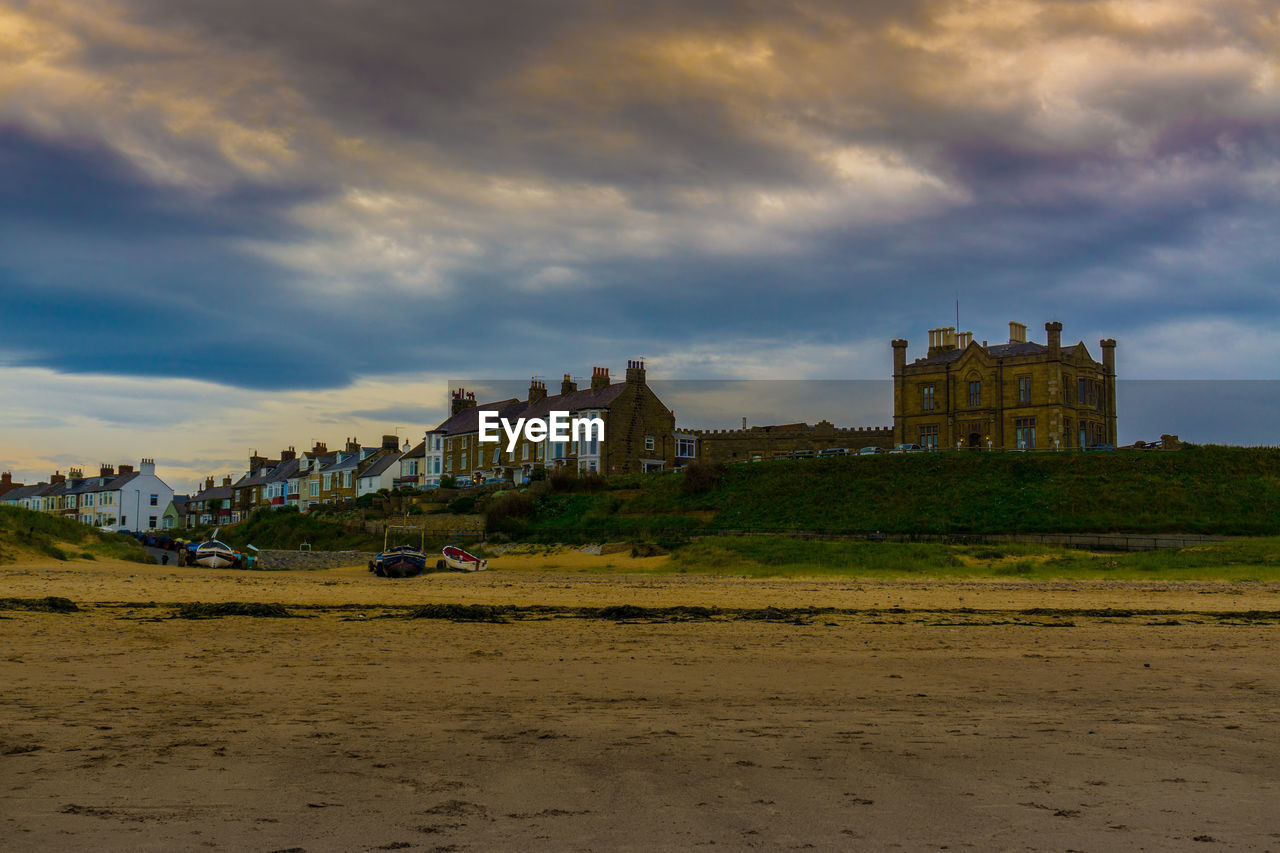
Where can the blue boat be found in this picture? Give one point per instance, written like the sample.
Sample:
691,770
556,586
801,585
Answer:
400,561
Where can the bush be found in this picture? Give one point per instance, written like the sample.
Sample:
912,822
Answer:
700,477
537,475
591,482
448,481
562,479
504,510
462,505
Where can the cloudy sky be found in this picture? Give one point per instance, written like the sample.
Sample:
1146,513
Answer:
231,225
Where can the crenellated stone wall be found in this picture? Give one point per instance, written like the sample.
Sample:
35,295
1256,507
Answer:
736,445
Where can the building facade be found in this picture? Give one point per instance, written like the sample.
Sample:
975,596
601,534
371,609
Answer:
639,431
1019,395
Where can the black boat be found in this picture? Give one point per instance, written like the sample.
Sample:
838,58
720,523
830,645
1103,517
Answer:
399,561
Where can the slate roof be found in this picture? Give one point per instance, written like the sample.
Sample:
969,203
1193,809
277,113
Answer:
575,401
257,476
111,484
1008,350
34,490
283,471
468,420
343,461
215,494
381,464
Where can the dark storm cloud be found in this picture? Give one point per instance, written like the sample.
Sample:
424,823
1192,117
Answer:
302,193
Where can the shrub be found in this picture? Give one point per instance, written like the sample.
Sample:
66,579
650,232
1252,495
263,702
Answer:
562,479
700,477
462,505
591,482
537,475
502,511
448,481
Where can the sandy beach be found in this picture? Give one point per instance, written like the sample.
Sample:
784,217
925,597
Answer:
915,715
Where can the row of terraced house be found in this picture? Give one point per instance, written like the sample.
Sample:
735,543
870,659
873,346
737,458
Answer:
960,395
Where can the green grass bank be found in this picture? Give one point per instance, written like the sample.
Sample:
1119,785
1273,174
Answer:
61,538
1208,490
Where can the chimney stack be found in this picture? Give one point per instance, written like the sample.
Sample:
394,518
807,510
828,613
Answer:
537,389
226,481
635,372
56,477
460,401
320,449
256,461
125,469
353,445
1017,332
390,442
1055,338
567,385
146,466
941,340
288,455
106,471
600,377
208,482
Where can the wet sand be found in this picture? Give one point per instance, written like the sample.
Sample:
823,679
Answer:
910,728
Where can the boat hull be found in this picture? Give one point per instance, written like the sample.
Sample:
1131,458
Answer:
460,561
216,558
399,563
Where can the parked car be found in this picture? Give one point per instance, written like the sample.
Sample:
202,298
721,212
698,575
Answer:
834,451
868,451
905,448
802,454
1102,446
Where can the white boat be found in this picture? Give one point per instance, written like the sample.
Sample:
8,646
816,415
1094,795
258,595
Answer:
215,554
460,561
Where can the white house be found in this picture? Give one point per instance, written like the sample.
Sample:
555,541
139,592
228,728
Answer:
433,459
139,498
380,475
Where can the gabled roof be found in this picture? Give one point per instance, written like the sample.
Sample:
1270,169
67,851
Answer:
1009,350
417,452
576,401
283,471
343,461
34,490
381,464
321,460
468,420
111,484
214,494
256,477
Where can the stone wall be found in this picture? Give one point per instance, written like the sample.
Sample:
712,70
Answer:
737,445
299,560
439,523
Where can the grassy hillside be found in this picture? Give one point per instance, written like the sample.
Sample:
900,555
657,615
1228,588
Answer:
1222,490
769,556
286,529
25,531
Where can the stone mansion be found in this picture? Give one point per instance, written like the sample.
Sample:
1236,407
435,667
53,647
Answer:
1019,395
